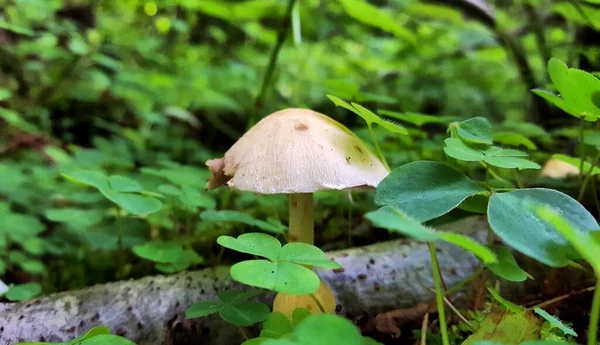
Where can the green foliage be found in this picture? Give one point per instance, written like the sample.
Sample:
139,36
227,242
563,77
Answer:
233,307
96,336
393,219
284,271
446,189
507,267
513,219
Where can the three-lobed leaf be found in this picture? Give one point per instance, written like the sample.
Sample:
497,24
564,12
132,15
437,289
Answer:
280,276
493,155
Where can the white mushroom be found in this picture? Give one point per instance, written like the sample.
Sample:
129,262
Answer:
297,152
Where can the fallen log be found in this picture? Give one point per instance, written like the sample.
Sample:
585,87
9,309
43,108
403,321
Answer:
150,311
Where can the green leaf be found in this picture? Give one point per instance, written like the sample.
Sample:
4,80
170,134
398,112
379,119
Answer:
5,94
321,329
299,314
513,219
592,139
418,119
276,326
202,309
555,322
92,178
476,130
306,254
493,155
393,219
373,16
15,119
506,303
514,139
159,251
245,313
425,190
235,216
23,292
585,243
507,267
283,276
192,197
369,116
134,203
253,243
124,184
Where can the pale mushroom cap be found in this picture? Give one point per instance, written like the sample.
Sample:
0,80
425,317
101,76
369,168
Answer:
558,169
297,151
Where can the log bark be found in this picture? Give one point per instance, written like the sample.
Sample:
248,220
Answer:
150,311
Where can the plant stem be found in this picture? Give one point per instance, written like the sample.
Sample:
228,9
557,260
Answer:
582,156
379,153
314,298
301,224
595,194
439,295
296,26
594,315
243,333
517,178
588,177
281,35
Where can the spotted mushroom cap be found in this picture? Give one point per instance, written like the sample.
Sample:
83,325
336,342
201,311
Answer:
297,151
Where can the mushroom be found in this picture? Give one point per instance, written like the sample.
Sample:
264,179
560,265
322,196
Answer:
297,152
557,169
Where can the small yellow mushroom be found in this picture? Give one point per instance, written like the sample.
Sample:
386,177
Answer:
286,304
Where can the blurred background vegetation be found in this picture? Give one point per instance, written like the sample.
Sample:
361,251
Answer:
148,91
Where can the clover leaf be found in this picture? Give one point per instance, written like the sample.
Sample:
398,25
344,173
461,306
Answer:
476,130
492,155
232,307
369,116
284,271
126,193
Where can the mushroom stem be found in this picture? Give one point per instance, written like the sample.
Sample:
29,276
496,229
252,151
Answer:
301,224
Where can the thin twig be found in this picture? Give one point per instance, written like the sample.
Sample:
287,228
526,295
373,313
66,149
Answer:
562,297
588,177
316,300
460,316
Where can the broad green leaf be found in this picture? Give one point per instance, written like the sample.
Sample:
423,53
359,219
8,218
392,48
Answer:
476,130
321,329
124,184
418,119
373,16
592,139
507,267
5,94
244,313
555,322
92,178
23,292
15,119
576,163
514,139
159,251
283,276
232,296
253,243
583,242
457,149
425,190
513,219
134,203
506,303
393,219
276,326
306,254
299,314
235,216
193,197
202,309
